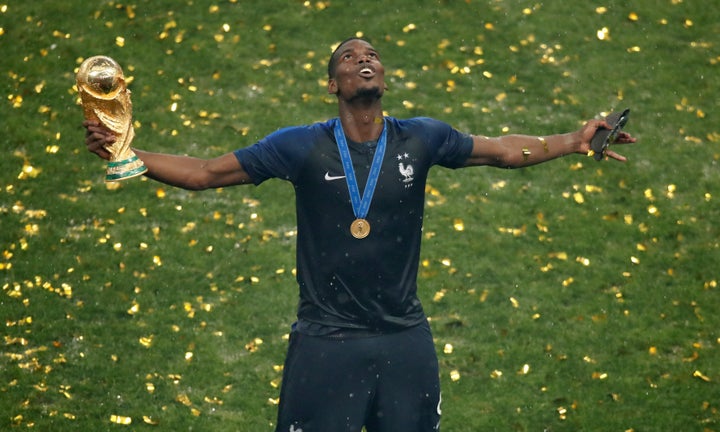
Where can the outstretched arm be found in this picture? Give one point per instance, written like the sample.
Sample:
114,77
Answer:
181,171
517,151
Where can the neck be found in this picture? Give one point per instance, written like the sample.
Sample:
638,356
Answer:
362,124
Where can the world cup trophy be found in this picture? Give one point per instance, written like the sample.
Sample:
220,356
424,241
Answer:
105,98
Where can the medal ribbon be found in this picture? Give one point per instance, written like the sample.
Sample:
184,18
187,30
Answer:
360,205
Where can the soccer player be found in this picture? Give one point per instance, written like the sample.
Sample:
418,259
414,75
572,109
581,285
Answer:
361,353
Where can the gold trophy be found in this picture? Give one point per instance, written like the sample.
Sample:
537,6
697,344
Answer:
105,98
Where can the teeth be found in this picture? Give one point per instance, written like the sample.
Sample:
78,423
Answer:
366,70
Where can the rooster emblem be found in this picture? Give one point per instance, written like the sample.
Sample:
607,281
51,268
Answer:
407,172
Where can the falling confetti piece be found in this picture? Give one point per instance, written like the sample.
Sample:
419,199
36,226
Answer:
603,34
254,345
408,28
562,412
146,341
701,376
149,420
599,375
455,375
121,420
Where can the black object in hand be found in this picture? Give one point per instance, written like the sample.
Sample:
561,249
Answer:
604,137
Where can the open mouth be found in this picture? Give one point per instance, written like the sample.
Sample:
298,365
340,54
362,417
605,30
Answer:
367,72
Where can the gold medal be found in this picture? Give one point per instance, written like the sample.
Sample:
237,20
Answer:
360,228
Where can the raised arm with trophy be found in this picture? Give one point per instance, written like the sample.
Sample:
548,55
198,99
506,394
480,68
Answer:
106,99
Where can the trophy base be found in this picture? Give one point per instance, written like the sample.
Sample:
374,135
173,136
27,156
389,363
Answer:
125,169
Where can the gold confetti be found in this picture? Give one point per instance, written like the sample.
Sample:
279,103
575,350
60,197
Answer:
121,420
582,260
149,420
701,376
254,345
562,412
455,375
599,375
146,341
29,171
183,399
603,34
484,295
134,309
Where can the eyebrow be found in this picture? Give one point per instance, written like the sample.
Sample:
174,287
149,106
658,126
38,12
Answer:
342,53
346,50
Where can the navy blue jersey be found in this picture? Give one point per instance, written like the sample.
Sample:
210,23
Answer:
346,282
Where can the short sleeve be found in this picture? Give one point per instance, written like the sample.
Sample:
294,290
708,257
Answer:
278,155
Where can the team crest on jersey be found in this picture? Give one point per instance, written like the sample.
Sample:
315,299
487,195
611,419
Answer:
406,169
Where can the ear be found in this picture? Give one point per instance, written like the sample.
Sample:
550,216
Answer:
332,86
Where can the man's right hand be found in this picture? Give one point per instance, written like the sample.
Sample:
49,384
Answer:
97,137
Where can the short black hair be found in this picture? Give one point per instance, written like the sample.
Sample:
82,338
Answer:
332,63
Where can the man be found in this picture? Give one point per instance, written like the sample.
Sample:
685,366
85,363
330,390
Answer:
361,352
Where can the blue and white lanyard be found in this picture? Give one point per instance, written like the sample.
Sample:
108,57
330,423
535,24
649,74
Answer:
360,205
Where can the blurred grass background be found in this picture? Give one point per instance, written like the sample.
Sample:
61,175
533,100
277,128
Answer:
570,296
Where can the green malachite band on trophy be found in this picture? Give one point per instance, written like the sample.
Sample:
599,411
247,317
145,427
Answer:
126,174
124,169
122,162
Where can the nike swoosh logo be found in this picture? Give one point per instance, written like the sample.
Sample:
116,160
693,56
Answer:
328,177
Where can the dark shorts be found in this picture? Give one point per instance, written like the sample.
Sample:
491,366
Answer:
387,383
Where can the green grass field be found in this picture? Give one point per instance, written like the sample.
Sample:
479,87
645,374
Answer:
572,296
